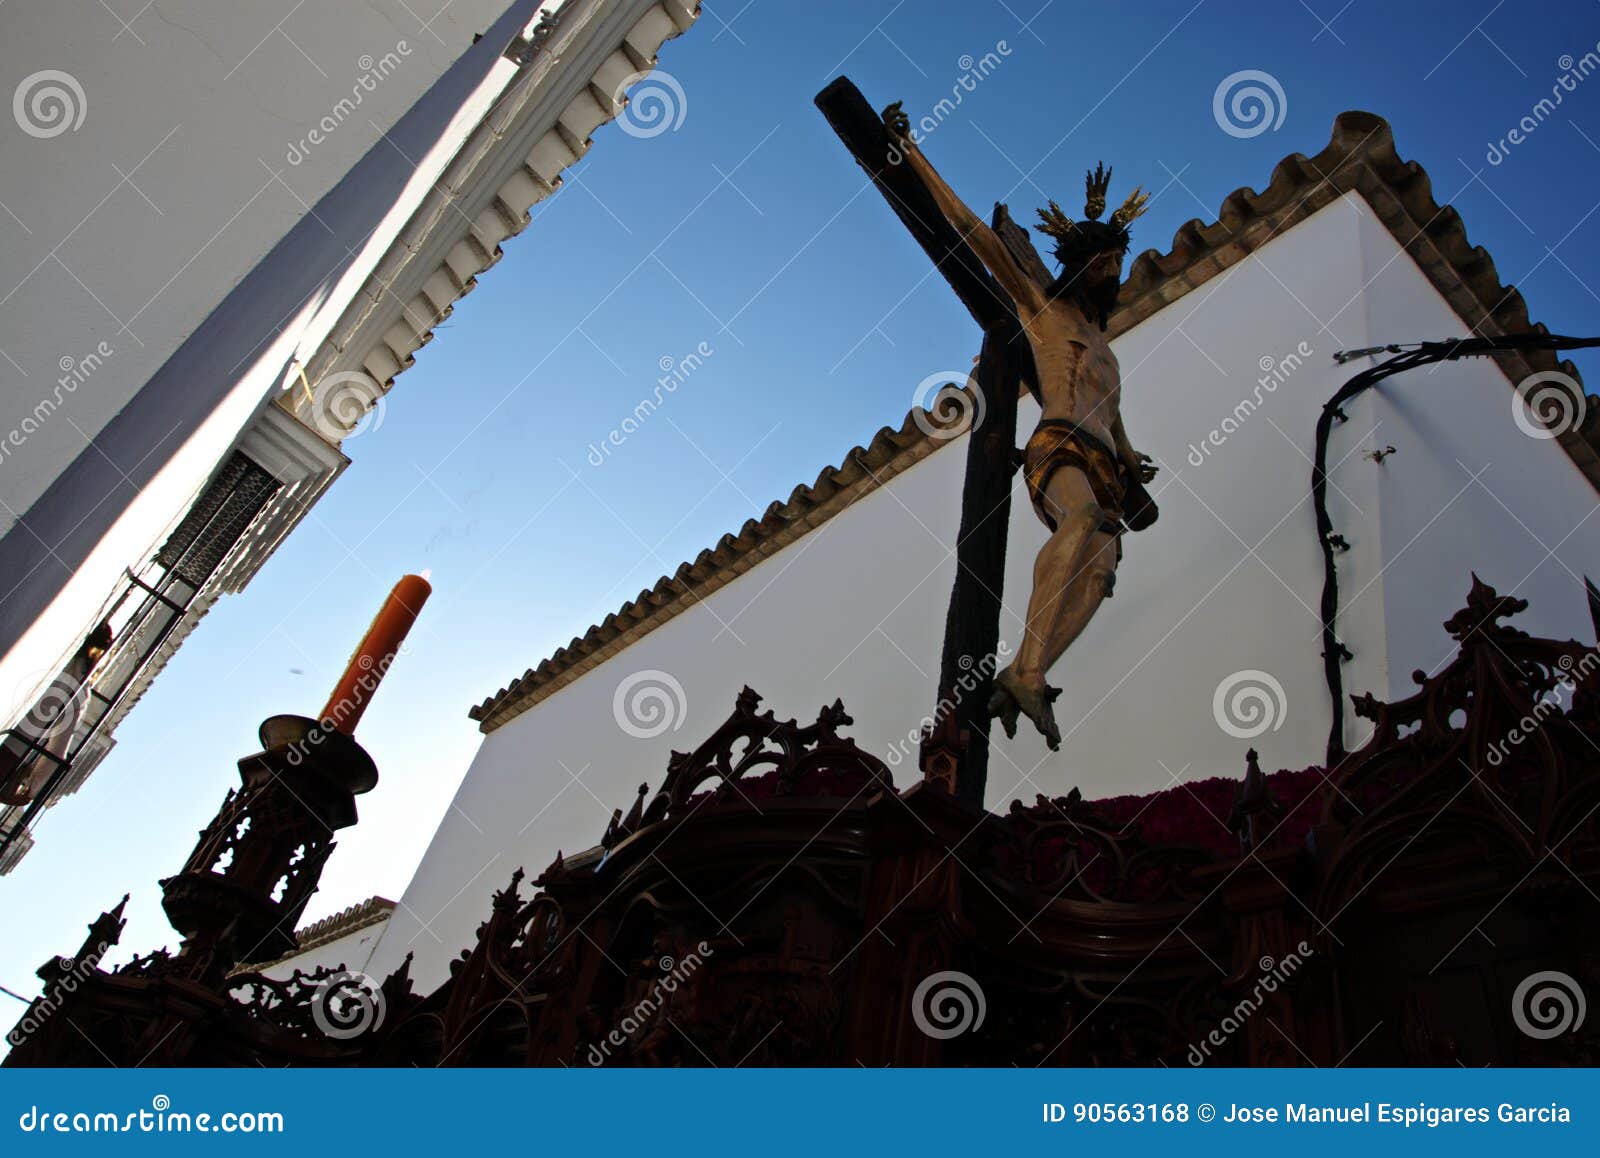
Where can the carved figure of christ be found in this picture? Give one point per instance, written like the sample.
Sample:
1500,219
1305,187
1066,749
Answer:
1084,478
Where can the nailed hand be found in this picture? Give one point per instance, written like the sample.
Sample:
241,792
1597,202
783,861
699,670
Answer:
897,122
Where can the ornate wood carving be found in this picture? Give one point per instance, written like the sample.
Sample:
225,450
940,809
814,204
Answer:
776,902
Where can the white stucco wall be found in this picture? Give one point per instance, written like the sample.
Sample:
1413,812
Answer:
1228,580
350,951
1467,489
123,233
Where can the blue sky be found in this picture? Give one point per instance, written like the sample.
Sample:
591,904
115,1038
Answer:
747,232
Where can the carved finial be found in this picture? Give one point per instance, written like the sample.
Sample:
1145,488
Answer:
1366,705
636,813
943,746
1253,805
398,983
833,717
613,830
1485,607
105,931
506,898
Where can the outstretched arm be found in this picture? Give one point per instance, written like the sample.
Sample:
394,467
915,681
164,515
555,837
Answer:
1024,291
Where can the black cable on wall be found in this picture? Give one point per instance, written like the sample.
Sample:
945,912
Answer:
1407,356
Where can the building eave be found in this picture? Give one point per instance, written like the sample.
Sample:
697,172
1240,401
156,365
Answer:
564,90
373,911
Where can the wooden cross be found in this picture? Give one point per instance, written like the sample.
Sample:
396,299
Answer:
956,752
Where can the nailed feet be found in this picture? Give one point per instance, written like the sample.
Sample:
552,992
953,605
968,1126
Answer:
1012,696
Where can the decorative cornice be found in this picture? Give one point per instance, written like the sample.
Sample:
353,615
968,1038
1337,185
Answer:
372,911
1360,158
863,470
358,916
571,79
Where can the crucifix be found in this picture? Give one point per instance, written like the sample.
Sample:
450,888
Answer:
1085,480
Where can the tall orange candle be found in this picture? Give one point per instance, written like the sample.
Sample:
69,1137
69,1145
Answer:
372,658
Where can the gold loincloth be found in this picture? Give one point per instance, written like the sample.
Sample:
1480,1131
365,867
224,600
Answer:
1058,443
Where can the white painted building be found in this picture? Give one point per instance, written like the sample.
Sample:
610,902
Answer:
841,590
349,935
232,227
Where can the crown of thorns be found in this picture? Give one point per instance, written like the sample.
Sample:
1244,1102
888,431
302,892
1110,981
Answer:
1090,235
